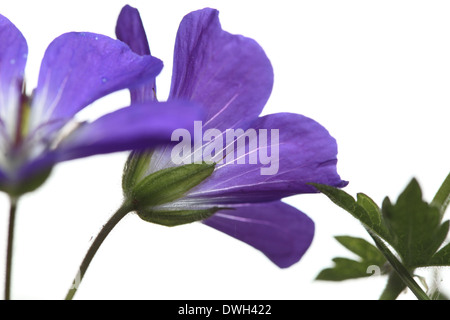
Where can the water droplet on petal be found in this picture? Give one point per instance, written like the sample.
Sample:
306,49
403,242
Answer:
104,80
25,55
12,61
96,38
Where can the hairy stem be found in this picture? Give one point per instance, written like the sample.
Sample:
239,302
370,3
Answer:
442,197
9,249
107,228
402,272
394,287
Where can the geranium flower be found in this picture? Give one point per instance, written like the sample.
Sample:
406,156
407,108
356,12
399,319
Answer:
78,68
231,76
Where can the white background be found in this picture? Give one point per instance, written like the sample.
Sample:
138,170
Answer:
376,74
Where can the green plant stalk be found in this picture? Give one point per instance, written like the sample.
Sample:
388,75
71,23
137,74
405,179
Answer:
402,272
107,228
394,287
10,243
442,197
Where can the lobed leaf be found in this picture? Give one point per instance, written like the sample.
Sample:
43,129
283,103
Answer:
344,268
411,226
441,258
365,210
414,226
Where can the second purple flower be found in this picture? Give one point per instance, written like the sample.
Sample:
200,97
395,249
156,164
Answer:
252,162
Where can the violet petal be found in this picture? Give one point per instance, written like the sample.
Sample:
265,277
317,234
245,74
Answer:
229,74
13,57
278,230
79,68
135,127
307,153
130,30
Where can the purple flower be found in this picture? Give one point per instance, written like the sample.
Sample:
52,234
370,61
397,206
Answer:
231,76
78,68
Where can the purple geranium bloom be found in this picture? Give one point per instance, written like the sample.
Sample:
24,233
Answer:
78,68
232,78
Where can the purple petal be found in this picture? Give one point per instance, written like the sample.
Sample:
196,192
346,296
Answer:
79,68
13,57
306,153
134,127
229,74
130,30
278,230
34,168
4,180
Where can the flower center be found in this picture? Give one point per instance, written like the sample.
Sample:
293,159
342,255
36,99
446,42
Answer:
21,137
23,116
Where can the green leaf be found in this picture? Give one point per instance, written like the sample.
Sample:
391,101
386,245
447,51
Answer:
411,225
344,268
367,251
441,258
439,238
442,197
372,209
177,217
414,226
169,184
364,210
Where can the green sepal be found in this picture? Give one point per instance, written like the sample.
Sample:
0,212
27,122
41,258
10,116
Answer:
177,217
28,185
372,260
134,170
169,184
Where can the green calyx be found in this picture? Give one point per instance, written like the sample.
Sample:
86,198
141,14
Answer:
147,193
30,184
134,171
169,184
175,218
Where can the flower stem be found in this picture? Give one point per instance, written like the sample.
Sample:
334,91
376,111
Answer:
107,228
9,250
402,272
393,288
442,197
